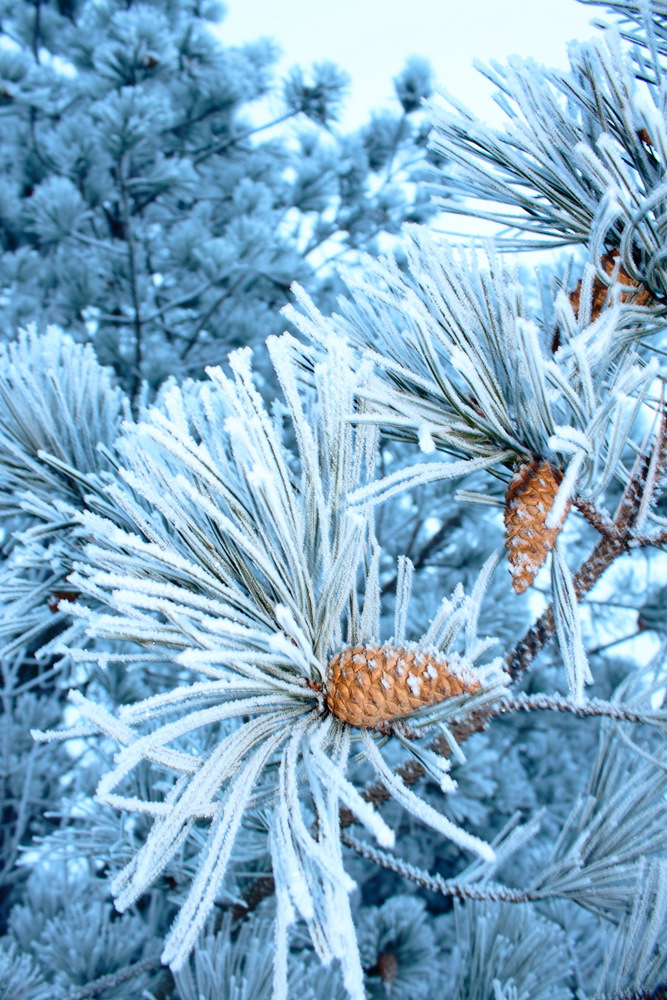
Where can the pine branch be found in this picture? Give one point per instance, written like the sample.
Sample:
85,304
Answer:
618,536
616,539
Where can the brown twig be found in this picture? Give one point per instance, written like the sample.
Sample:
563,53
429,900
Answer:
608,549
258,890
599,519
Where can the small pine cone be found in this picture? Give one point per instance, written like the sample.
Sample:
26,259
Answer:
528,500
387,967
369,686
637,293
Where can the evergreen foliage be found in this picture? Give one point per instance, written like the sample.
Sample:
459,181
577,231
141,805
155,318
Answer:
191,563
141,206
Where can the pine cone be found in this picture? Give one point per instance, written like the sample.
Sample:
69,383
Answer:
639,294
368,686
386,968
528,500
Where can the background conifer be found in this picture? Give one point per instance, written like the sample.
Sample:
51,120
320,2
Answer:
143,205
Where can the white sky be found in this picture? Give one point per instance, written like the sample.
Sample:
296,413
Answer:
371,39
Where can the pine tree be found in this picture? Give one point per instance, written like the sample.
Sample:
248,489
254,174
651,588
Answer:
143,209
350,714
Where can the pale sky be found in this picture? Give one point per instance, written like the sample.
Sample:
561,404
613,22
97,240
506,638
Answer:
371,39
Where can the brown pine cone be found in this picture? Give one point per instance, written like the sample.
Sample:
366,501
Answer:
368,686
528,500
639,294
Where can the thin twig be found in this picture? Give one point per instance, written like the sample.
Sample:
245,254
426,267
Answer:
36,29
113,979
591,707
258,890
614,642
436,883
21,815
219,147
430,546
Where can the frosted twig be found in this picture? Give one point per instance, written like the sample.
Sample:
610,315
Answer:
599,519
593,706
446,887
